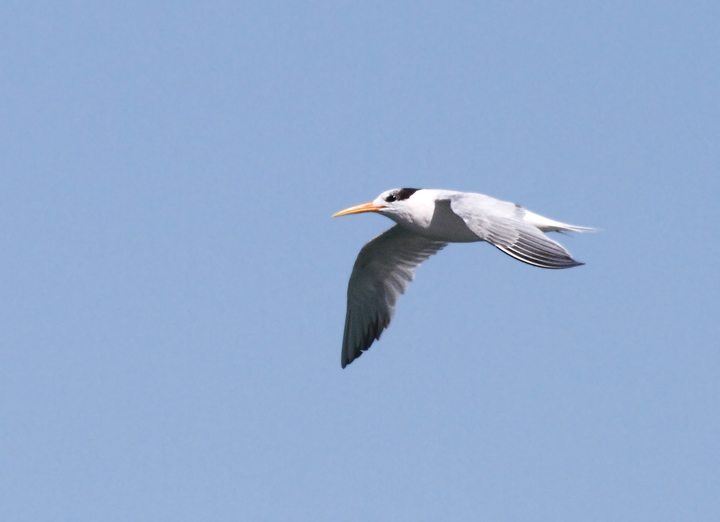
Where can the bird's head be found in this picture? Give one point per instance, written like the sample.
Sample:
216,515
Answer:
391,203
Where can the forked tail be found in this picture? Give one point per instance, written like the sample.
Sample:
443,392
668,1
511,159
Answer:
549,225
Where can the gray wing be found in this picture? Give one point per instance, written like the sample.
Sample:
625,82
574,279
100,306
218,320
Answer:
382,272
504,225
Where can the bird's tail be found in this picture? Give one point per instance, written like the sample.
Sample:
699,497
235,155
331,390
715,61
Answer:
549,225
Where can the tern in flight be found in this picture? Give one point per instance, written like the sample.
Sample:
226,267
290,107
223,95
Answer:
427,220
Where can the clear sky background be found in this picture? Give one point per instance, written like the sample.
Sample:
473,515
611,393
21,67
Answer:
173,287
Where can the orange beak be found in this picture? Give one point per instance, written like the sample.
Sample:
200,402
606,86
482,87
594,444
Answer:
357,209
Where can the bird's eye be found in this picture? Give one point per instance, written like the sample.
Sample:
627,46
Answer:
390,198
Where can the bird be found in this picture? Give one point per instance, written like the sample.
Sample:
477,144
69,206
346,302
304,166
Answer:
426,221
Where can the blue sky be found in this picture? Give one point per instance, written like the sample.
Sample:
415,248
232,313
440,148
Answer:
173,287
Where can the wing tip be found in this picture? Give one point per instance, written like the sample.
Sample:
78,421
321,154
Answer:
556,263
348,356
346,361
573,264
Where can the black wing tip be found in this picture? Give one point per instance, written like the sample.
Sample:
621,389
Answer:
373,333
571,263
349,358
549,263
